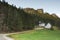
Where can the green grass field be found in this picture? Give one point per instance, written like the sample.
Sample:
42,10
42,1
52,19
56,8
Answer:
38,35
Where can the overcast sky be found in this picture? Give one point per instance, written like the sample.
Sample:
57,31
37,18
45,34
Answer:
50,6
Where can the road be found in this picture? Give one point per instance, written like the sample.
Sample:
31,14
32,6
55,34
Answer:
2,37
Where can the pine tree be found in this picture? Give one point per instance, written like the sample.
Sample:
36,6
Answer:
3,0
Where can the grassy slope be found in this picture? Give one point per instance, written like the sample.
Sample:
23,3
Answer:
38,35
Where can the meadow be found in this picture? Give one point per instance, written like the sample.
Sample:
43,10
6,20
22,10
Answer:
38,35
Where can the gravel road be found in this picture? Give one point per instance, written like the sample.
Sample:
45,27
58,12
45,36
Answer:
4,37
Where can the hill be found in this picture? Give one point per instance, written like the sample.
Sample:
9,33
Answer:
13,19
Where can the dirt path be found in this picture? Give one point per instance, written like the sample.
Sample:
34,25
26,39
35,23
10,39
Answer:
4,37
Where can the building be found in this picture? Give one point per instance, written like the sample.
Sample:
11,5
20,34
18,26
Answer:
48,26
44,25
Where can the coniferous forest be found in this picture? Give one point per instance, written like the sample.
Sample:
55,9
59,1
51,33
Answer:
13,19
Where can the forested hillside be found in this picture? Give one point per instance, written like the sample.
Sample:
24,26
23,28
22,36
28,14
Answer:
13,19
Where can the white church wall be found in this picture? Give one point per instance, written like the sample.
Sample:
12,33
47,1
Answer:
48,26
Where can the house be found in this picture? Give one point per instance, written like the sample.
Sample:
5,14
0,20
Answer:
44,25
48,26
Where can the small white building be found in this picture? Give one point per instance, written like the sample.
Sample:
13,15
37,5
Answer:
42,24
48,25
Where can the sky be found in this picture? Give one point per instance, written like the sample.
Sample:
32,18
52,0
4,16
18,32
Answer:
50,6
